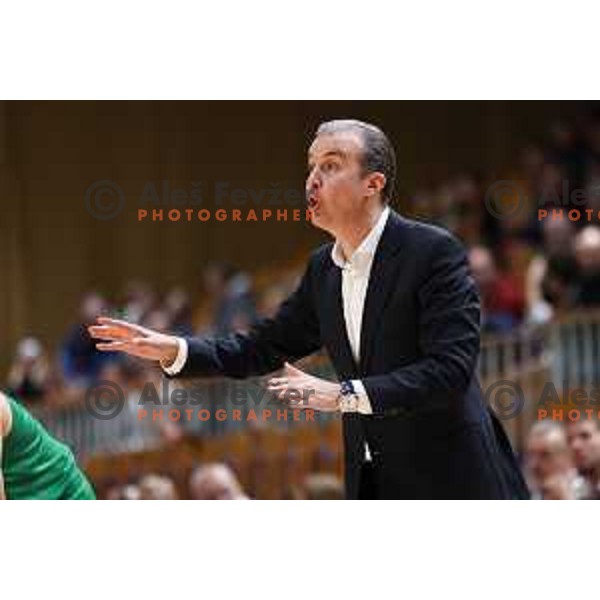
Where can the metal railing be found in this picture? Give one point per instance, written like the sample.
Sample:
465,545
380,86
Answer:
230,405
565,352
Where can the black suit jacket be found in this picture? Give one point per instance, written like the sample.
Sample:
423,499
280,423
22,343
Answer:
430,434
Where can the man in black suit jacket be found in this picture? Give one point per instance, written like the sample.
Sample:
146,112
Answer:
394,304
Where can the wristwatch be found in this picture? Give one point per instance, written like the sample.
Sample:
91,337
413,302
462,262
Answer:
348,398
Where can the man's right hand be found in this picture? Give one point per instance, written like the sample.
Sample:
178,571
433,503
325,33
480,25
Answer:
120,336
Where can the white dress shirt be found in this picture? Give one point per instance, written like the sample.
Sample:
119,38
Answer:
355,280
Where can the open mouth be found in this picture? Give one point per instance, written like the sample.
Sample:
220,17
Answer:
312,201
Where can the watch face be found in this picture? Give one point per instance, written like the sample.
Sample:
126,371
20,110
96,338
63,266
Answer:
347,388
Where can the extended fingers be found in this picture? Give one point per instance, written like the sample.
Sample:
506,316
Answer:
286,390
113,346
106,332
120,325
278,389
278,381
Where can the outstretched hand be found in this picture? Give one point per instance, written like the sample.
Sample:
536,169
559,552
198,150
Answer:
121,336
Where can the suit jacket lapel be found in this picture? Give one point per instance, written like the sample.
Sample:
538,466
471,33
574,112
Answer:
381,283
339,336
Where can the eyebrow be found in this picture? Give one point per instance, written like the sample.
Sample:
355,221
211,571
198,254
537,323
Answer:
337,153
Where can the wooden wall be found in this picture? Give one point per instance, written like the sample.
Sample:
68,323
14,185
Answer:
52,249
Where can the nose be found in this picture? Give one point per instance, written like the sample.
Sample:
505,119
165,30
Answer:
313,181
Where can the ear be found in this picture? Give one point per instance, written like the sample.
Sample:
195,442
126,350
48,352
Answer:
375,183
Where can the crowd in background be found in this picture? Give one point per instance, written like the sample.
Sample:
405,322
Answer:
528,268
562,460
528,271
218,481
227,301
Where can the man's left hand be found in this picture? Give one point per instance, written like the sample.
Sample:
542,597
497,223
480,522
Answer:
304,390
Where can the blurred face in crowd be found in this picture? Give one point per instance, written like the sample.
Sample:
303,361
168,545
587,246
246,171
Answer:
587,250
556,487
558,235
29,351
323,486
482,266
158,320
547,453
123,492
156,487
92,305
465,190
338,190
584,441
215,482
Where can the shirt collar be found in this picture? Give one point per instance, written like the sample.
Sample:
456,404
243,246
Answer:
367,247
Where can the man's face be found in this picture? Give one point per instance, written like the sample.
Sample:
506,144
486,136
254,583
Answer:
336,186
584,440
547,455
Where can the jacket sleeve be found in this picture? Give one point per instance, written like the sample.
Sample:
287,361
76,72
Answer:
448,337
290,335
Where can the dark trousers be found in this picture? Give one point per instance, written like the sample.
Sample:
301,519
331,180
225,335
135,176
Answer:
367,489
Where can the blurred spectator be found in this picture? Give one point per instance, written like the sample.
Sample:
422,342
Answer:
29,376
423,206
549,464
142,388
321,486
462,206
81,361
501,301
551,274
178,306
158,320
275,293
140,299
584,440
587,255
234,305
123,492
157,487
271,299
215,482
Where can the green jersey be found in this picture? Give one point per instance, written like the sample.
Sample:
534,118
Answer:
35,466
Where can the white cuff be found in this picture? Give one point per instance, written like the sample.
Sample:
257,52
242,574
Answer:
180,359
364,404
